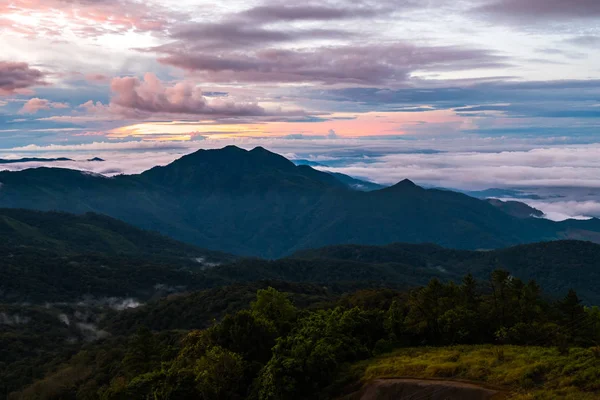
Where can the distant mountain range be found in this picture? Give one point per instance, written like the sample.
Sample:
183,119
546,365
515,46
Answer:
259,203
32,159
36,159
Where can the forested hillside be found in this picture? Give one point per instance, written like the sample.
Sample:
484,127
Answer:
92,308
276,349
50,257
66,233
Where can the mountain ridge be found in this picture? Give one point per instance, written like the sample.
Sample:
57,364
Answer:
258,203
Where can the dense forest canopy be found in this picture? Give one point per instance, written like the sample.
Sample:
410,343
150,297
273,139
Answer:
273,349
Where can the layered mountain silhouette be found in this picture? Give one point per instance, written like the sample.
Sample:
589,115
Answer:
261,204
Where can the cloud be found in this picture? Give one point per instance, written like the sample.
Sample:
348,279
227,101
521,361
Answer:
36,104
541,10
17,76
332,134
96,78
307,12
559,210
584,41
574,166
137,98
390,64
521,107
276,42
232,35
85,18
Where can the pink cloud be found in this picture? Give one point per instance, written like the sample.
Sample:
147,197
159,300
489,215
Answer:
17,77
36,104
87,18
96,78
135,97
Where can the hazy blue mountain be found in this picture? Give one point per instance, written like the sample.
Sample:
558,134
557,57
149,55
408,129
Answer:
259,203
32,159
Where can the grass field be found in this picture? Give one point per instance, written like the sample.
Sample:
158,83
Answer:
525,372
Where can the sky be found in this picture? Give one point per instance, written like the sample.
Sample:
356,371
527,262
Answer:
456,93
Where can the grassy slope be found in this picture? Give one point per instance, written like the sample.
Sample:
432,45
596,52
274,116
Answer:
527,372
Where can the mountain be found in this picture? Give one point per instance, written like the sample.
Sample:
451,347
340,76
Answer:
34,159
516,208
259,203
357,184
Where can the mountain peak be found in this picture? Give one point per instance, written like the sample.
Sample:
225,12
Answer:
235,169
231,148
405,184
259,149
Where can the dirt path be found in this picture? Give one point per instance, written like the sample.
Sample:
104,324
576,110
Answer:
426,389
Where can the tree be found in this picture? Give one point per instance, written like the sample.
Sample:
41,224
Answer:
220,375
275,306
469,292
142,355
394,321
247,334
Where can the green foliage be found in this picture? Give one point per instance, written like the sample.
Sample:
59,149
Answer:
220,375
275,306
527,372
275,350
198,310
308,359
